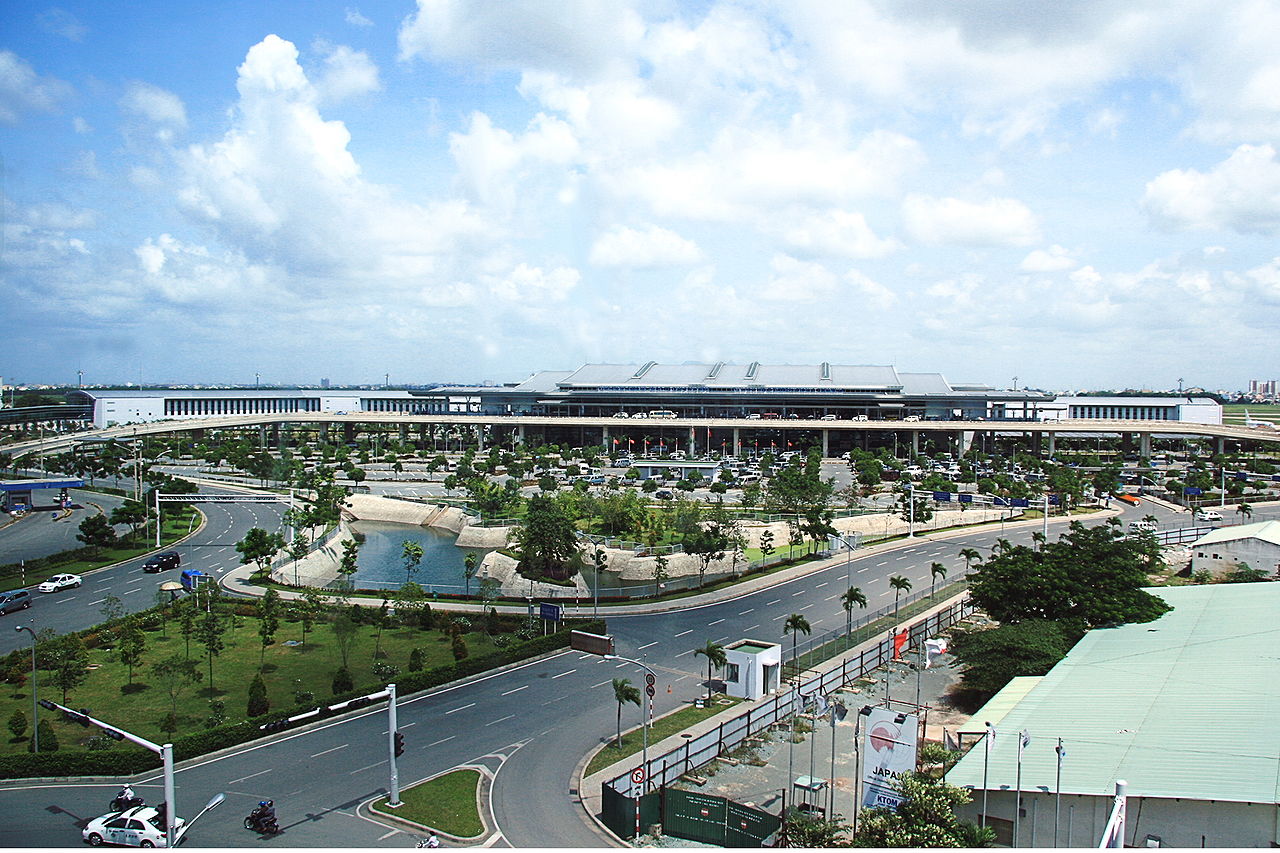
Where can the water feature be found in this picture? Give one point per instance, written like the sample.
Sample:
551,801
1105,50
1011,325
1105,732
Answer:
381,563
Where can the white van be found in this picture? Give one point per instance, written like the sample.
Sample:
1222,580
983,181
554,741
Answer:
663,414
1208,515
1142,526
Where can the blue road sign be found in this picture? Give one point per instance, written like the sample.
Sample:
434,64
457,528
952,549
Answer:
942,496
1192,490
550,612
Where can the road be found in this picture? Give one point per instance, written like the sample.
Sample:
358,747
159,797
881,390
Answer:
541,717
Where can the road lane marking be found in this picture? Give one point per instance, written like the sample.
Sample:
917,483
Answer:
128,591
370,767
648,645
682,633
438,742
745,612
594,686
883,563
387,835
335,749
516,690
831,597
682,654
563,674
752,628
462,708
503,720
244,778
771,603
719,639
717,622
821,585
99,601
799,592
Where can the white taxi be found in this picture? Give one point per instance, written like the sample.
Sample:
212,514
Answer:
136,827
58,582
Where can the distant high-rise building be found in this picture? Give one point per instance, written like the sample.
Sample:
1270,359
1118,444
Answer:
324,383
1263,388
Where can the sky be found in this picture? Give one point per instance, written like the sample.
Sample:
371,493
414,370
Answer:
1080,195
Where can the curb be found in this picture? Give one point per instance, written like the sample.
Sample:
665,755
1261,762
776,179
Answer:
483,784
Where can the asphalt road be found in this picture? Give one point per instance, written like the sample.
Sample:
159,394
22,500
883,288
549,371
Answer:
537,720
46,531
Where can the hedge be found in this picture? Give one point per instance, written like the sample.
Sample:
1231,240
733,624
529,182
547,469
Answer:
130,760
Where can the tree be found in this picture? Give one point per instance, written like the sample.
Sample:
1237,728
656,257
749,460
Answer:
470,565
459,648
766,545
1091,576
209,632
48,737
258,702
260,547
970,556
853,595
131,512
937,572
926,817
546,539
919,510
381,617
716,658
708,541
130,645
175,675
309,609
411,554
795,625
900,585
623,692
660,565
993,656
187,615
18,724
342,681
344,633
1244,510
268,622
70,663
97,532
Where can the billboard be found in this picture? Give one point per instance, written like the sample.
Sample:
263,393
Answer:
888,751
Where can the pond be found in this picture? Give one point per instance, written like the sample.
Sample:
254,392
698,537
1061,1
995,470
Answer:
381,563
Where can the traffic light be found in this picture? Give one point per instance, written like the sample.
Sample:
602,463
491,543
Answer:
274,725
399,741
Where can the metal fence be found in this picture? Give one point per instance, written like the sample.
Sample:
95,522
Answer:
667,767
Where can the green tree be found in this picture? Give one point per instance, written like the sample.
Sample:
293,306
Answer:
623,692
470,565
260,547
716,658
1244,510
130,645
175,675
937,572
411,554
97,532
209,632
342,681
48,737
926,817
995,655
187,613
309,609
796,625
900,585
18,724
259,704
344,634
853,595
970,556
546,539
459,648
660,566
268,622
766,545
131,512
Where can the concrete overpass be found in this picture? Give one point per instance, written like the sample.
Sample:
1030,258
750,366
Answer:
730,430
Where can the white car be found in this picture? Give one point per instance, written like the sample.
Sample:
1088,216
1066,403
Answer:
136,827
1208,515
827,418
621,415
58,582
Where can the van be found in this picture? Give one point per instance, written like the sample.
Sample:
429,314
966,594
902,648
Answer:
1142,526
14,599
663,414
753,416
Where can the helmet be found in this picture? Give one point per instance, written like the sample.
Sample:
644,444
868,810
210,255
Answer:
263,803
271,803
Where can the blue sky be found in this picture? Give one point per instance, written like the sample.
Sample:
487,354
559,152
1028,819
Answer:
1082,197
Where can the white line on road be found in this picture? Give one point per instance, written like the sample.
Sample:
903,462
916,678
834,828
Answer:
682,633
745,612
503,720
129,591
516,690
682,654
99,601
387,835
648,645
335,749
462,708
406,725
438,742
370,767
243,778
563,674
831,597
717,622
752,628
771,603
799,592
821,585
720,639
594,686
883,563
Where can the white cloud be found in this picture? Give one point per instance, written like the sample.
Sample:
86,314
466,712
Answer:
347,74
355,19
63,23
866,292
23,90
1053,259
1242,193
796,281
650,248
154,104
493,164
829,233
955,222
535,286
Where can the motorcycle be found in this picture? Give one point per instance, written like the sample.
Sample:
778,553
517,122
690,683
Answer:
120,802
259,823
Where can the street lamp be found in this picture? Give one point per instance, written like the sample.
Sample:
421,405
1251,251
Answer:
650,679
35,687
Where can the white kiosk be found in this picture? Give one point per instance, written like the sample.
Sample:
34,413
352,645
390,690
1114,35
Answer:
752,668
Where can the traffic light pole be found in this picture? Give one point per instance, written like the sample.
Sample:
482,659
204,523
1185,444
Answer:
392,736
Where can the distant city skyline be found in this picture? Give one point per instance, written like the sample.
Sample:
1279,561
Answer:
1083,195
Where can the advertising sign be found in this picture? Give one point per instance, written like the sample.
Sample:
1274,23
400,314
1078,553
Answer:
889,750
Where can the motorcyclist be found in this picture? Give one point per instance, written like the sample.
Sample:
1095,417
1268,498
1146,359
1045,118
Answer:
126,799
264,816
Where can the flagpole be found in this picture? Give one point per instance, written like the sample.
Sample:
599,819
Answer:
1057,797
1023,739
986,762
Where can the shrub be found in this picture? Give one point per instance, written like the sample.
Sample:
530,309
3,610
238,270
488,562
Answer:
18,724
169,723
258,702
217,714
415,660
459,647
342,681
303,698
48,738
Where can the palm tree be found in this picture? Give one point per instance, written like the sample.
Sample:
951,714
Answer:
795,625
853,595
900,585
624,692
1039,539
716,658
1244,509
970,556
938,572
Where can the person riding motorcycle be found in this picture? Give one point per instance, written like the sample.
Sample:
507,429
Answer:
264,816
126,799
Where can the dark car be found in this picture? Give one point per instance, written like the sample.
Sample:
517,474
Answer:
161,562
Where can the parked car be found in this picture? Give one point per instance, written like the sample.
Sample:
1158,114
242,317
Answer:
1142,526
161,562
663,494
58,582
827,418
136,827
14,599
1208,515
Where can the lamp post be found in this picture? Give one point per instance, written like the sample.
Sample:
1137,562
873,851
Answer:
650,679
35,687
857,762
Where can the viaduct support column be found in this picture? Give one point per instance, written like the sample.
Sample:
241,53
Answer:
826,434
1145,445
1222,445
324,433
693,442
915,442
604,439
1052,435
348,431
520,434
404,433
481,431
737,442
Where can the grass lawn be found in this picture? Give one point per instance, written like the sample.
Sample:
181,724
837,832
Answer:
446,803
663,727
176,525
287,669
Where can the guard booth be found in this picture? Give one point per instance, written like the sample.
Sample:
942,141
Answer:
753,668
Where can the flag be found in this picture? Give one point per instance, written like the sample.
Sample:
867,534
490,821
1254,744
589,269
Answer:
1024,740
949,742
615,442
1062,753
899,641
932,648
991,736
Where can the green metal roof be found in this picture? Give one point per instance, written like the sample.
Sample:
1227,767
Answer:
1000,704
1185,706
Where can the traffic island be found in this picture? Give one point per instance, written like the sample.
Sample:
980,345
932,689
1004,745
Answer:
448,804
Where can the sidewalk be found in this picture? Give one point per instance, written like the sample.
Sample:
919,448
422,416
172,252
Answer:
237,580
